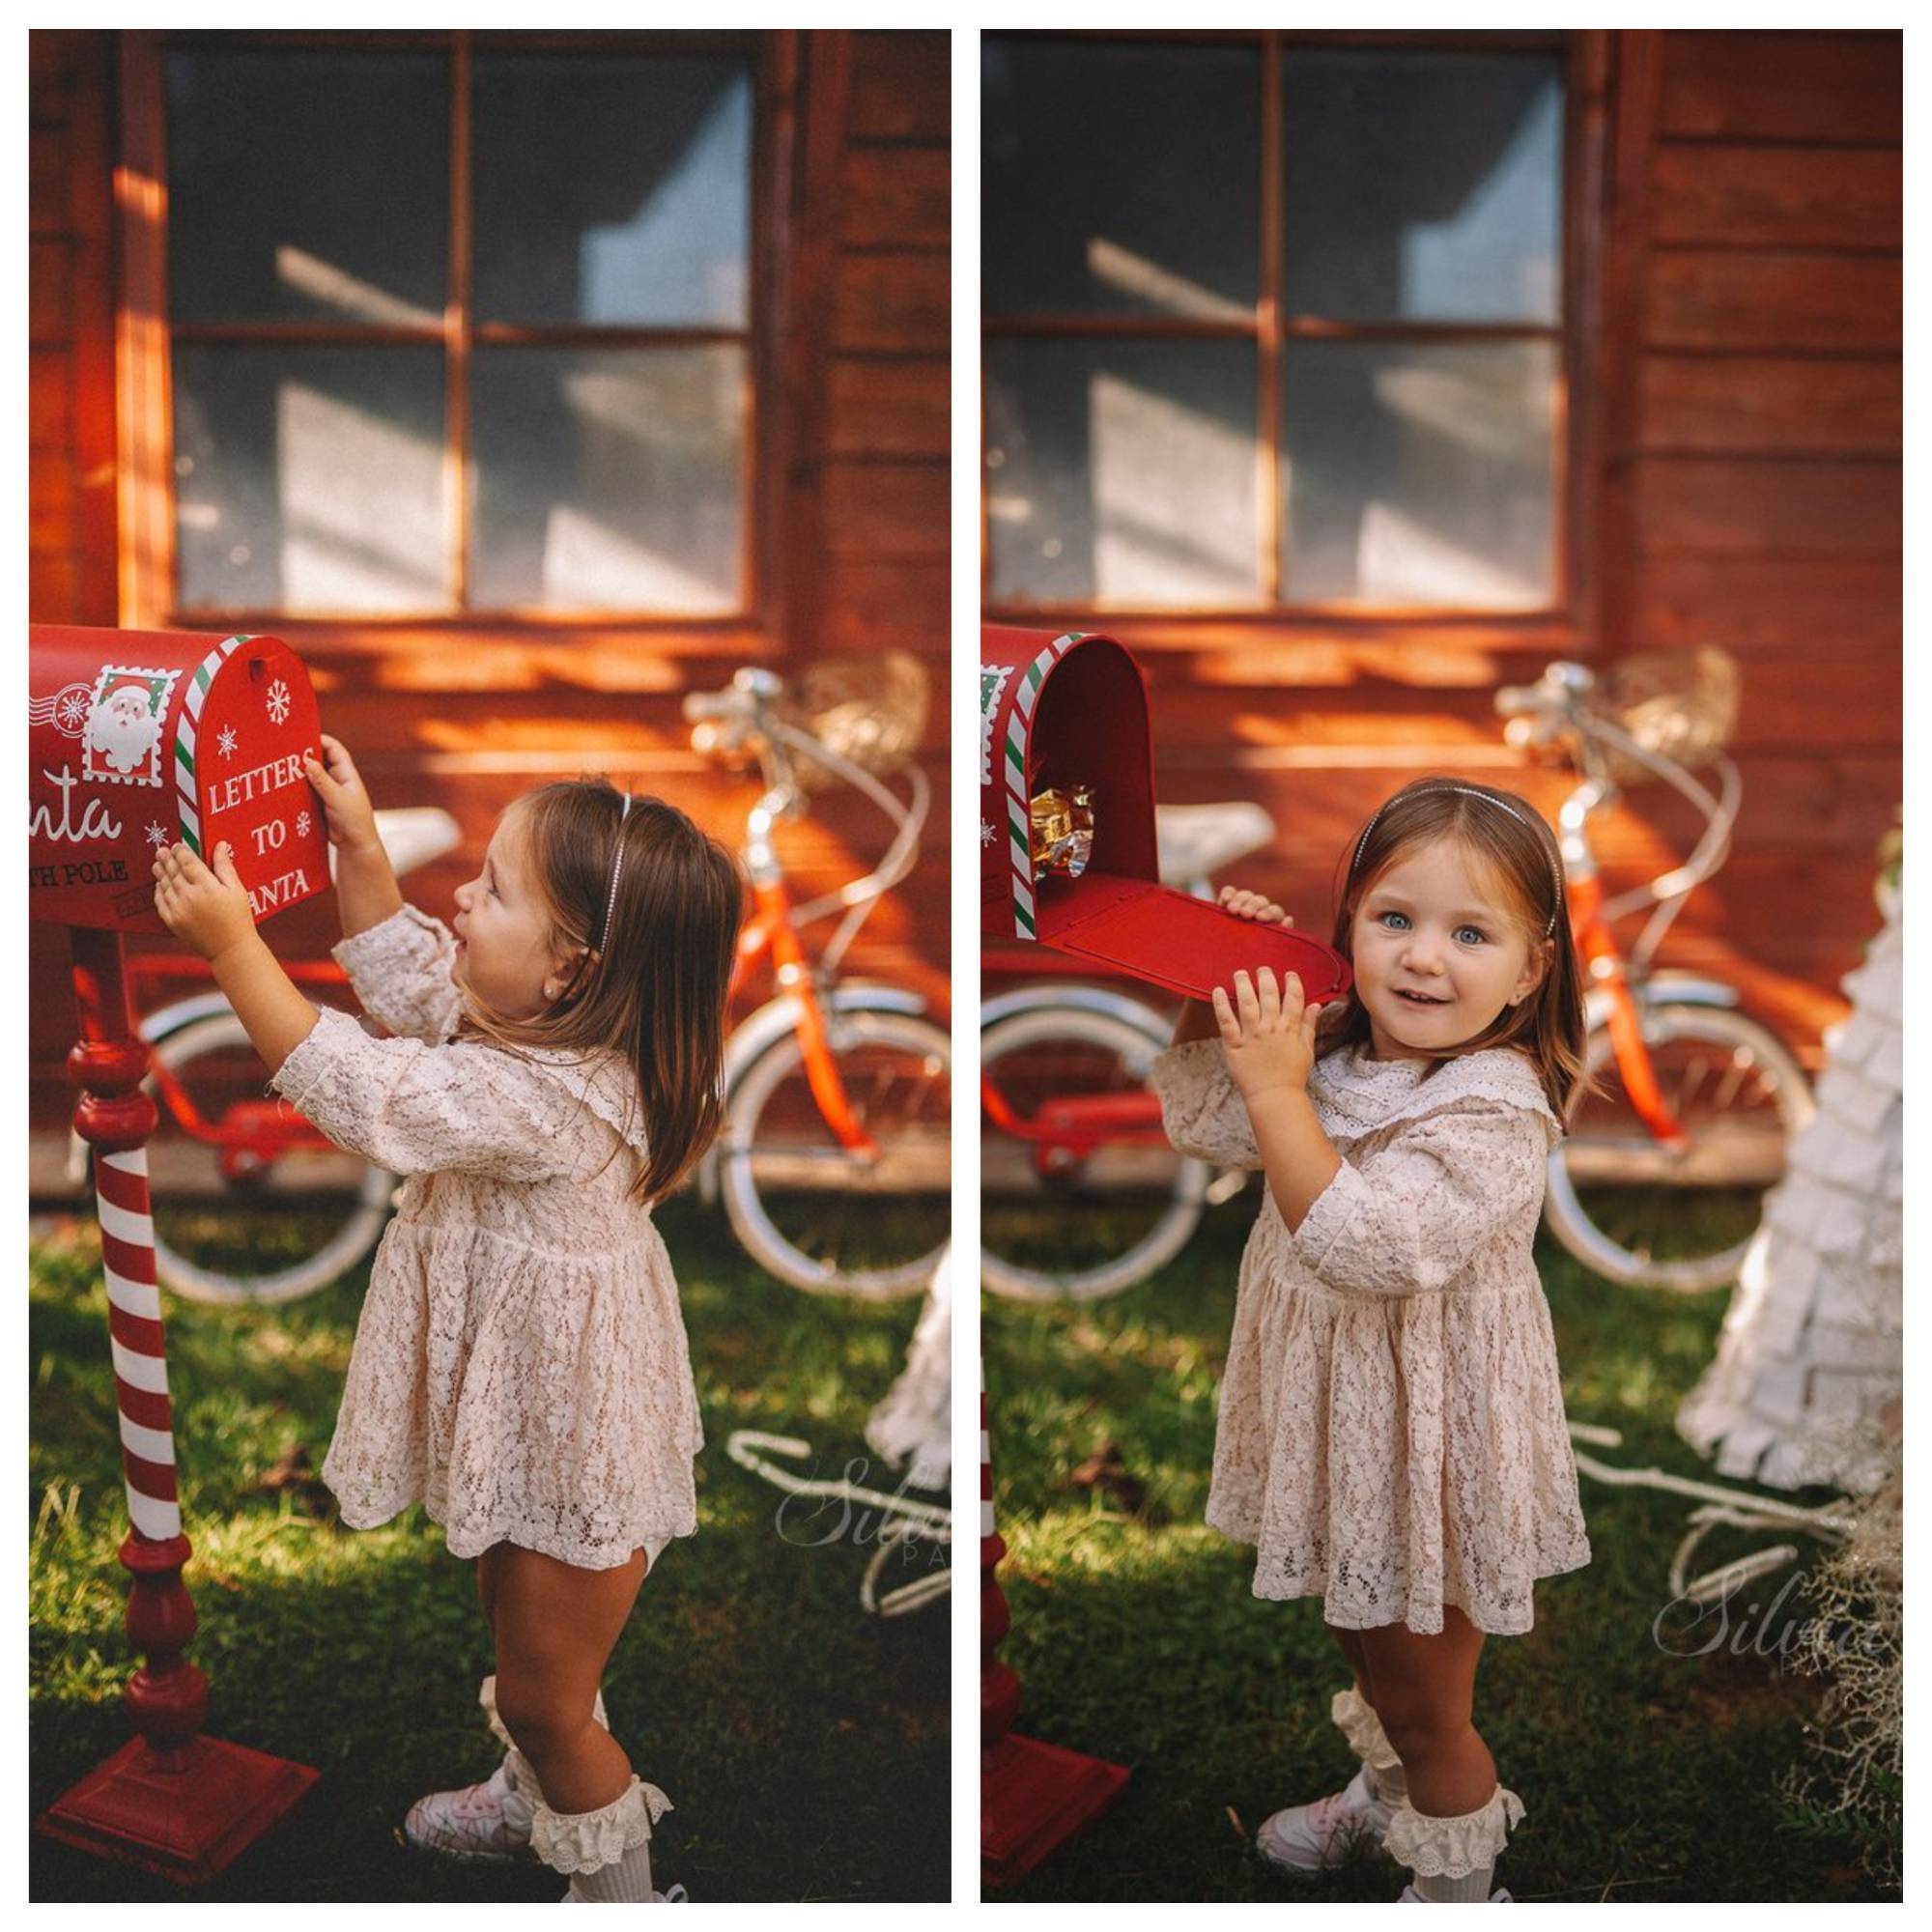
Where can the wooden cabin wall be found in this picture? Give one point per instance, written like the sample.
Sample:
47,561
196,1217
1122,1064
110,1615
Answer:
467,720
1749,485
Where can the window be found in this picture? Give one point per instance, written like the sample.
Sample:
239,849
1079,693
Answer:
1274,325
458,324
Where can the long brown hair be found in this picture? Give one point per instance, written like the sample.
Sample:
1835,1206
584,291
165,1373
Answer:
653,987
1520,851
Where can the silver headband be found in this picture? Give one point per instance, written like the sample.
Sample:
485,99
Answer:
1470,791
616,873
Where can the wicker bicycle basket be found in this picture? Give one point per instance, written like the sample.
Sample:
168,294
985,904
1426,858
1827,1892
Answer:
868,709
1682,705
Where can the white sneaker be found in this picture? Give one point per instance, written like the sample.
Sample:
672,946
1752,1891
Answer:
1309,1837
490,1822
1410,1896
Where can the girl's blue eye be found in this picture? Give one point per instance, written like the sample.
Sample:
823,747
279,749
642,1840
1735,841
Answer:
1387,915
1475,932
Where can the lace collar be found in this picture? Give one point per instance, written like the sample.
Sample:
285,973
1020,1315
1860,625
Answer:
1357,1094
604,1082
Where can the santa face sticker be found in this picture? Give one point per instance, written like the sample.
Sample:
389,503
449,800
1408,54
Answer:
121,743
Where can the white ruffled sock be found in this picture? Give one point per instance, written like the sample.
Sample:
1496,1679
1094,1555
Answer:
605,1852
1453,1860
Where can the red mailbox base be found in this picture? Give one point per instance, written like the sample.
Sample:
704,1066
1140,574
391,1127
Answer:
185,1816
1033,1797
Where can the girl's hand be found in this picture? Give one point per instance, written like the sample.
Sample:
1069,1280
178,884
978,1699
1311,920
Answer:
345,799
1268,1032
1253,905
208,910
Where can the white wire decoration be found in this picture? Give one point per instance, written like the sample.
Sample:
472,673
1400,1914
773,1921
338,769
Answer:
905,1519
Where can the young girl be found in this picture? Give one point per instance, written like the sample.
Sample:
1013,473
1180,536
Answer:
1391,1433
519,1367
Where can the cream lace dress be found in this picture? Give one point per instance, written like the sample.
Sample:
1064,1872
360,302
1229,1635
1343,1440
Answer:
520,1366
1392,1435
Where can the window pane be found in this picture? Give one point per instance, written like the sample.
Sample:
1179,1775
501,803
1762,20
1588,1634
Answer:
1123,472
1424,186
307,186
612,190
609,479
1419,473
309,478
1120,179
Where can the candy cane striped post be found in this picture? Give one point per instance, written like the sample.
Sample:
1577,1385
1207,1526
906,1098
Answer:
178,1804
1019,808
1033,1795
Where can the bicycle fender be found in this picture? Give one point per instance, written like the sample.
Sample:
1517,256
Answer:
1123,1006
164,1020
1663,989
769,1024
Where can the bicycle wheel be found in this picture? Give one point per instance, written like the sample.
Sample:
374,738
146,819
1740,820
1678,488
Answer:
228,1231
1090,1225
807,1209
1646,1216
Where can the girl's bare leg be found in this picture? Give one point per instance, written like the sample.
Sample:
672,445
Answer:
555,1628
486,1585
1351,1641
1425,1693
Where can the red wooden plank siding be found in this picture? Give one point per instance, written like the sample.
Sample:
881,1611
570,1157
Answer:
1767,477
464,719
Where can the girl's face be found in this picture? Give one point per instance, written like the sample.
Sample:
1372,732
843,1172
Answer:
503,923
1437,955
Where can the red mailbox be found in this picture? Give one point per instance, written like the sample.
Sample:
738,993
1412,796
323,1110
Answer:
1067,759
140,738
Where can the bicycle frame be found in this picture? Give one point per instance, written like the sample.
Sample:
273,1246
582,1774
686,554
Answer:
745,718
770,930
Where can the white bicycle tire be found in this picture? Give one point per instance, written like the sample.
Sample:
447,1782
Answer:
1563,1209
1138,1047
357,1237
750,1093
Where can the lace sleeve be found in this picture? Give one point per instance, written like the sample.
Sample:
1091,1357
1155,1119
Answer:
1408,1219
418,1109
401,971
1200,1108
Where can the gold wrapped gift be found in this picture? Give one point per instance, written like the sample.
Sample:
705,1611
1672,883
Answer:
1063,830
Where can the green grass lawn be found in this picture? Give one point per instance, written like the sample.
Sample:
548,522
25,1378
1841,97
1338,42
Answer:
1646,1774
804,1743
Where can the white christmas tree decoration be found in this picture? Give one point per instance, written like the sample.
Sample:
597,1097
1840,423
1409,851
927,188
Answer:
1808,1374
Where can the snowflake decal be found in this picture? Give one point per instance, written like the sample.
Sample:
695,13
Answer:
71,710
225,742
986,833
302,823
157,835
279,702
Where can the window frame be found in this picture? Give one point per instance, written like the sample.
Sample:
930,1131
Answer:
1571,620
145,336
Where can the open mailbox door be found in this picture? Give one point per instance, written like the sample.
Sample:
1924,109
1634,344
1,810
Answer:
1066,831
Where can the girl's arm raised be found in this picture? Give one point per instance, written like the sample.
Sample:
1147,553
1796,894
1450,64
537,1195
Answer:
209,912
366,892
1269,1035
